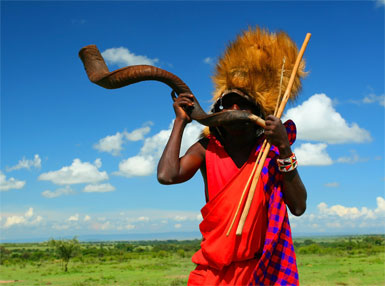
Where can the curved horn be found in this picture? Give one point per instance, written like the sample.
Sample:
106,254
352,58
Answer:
99,74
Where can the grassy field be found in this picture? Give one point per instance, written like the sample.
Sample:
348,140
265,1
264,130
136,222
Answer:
333,261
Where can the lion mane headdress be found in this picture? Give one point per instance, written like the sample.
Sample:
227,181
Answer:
253,63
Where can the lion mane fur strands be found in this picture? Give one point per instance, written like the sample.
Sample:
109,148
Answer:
253,64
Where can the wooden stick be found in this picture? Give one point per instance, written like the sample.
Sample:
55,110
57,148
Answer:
246,186
267,149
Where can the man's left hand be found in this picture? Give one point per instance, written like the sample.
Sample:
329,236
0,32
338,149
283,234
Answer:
276,134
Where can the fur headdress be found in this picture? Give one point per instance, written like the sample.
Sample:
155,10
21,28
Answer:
253,64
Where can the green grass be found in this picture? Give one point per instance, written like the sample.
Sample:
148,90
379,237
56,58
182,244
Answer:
170,270
321,262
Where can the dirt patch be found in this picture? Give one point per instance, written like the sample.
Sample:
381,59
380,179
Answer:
8,281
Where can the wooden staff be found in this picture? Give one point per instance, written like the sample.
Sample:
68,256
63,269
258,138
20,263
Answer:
268,145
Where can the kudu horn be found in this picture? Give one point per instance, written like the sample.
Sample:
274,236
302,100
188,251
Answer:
99,74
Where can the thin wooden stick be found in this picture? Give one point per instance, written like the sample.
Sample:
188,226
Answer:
246,186
267,149
280,87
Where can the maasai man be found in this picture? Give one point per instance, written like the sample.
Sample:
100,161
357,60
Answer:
248,77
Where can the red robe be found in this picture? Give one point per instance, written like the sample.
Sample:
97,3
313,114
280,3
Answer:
252,257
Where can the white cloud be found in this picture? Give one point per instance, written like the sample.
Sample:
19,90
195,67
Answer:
13,220
74,217
27,219
332,185
136,166
113,144
208,60
123,57
317,120
29,213
380,210
10,184
78,172
373,98
37,220
87,218
309,154
341,219
58,192
145,162
137,134
27,164
353,212
98,188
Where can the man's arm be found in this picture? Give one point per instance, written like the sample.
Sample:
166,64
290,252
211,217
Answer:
294,191
171,168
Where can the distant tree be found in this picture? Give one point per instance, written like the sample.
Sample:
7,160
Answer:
66,249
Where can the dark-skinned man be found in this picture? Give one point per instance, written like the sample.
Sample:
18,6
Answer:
225,155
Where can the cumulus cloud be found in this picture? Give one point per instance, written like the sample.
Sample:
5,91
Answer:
136,166
123,57
137,134
341,219
309,154
317,120
113,144
29,213
13,220
77,173
373,98
99,188
345,212
27,164
58,192
10,184
74,217
19,219
178,225
145,162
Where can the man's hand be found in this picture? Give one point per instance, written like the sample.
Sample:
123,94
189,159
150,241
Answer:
276,134
181,103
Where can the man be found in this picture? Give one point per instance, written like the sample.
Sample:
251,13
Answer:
264,254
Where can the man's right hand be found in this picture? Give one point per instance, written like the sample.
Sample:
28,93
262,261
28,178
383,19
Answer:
181,103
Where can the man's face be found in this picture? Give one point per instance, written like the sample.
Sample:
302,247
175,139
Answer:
233,101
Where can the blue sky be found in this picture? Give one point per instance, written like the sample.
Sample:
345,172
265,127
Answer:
77,159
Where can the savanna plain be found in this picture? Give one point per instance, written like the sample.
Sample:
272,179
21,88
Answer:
350,260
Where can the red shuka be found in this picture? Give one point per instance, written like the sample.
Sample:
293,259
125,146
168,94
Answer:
228,260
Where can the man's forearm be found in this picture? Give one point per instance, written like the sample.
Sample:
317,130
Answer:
293,189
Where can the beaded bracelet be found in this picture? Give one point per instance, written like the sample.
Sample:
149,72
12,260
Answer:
287,164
